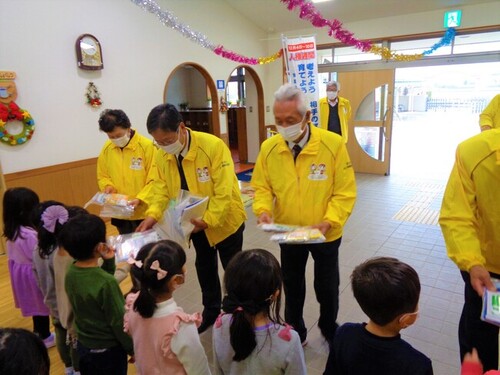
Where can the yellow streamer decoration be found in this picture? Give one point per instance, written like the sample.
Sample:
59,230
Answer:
387,54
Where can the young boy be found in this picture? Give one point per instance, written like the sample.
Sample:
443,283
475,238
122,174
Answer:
95,297
387,291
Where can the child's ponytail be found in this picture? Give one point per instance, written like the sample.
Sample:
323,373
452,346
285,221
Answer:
162,261
253,284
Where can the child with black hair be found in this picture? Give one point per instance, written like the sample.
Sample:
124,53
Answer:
18,208
95,298
388,292
166,339
22,353
49,219
249,338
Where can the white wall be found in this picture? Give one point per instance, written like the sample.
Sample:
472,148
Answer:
485,14
177,88
252,118
38,43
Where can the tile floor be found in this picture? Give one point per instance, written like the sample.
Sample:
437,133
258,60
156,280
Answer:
372,231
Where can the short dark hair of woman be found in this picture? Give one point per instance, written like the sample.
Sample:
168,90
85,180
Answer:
165,117
111,118
22,353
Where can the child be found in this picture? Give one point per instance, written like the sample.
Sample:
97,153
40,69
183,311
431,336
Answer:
473,366
387,291
50,218
250,339
22,353
18,206
165,338
95,298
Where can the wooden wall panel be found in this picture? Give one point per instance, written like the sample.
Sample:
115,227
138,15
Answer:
71,183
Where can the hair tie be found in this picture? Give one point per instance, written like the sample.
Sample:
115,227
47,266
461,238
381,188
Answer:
134,262
238,309
53,215
155,266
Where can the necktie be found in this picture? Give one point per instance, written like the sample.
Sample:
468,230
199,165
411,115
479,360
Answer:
296,151
184,184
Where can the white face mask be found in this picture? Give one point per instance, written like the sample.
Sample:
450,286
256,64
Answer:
174,148
122,141
331,94
292,132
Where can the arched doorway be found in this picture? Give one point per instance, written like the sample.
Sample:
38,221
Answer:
245,116
192,90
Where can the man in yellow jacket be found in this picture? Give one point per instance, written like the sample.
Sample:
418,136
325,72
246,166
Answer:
470,221
303,176
490,117
201,163
335,111
124,164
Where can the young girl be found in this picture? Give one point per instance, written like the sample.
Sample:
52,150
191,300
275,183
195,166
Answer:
18,206
49,220
165,337
249,338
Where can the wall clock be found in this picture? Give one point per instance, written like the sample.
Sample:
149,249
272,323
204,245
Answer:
88,52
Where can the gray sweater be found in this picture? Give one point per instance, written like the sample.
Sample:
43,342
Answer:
274,355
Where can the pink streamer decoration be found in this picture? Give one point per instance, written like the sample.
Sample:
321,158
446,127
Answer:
309,12
221,51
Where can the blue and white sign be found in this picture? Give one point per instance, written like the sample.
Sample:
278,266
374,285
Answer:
220,84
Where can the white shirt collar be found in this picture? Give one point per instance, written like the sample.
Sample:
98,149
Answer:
165,308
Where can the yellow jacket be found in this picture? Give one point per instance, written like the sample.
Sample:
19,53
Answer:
470,213
344,115
319,187
491,114
127,169
209,172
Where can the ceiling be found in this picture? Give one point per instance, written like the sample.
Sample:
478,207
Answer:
273,15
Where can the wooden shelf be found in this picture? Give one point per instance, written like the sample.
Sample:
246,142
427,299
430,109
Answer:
198,119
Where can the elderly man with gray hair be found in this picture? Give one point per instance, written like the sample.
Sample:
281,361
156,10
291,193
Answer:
303,176
334,111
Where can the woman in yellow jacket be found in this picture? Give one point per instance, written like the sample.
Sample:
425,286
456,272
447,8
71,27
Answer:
124,164
304,177
201,163
470,221
490,117
334,111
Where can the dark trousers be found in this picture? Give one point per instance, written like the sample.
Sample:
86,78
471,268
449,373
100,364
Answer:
125,226
326,284
41,326
207,266
112,361
473,332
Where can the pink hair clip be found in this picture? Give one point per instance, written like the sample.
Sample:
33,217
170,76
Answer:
155,266
53,215
134,262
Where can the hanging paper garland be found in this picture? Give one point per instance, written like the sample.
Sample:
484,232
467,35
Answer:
167,18
93,96
12,112
309,12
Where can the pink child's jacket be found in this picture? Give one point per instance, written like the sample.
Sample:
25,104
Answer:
474,368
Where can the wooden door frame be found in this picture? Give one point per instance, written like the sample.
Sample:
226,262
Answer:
361,161
211,86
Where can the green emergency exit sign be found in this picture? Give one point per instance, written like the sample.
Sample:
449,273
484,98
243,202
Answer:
452,18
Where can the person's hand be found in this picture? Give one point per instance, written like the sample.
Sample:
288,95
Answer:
106,251
264,218
146,224
134,203
199,225
323,227
480,279
472,357
110,190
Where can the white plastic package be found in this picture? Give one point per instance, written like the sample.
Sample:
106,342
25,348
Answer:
113,205
300,236
128,245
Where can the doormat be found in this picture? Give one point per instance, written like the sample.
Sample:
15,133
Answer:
245,176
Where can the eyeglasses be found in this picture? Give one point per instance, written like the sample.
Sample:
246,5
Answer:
168,142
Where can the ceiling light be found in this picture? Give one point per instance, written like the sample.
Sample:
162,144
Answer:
320,1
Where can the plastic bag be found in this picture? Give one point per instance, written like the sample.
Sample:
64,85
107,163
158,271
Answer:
279,228
300,236
128,245
176,222
113,205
